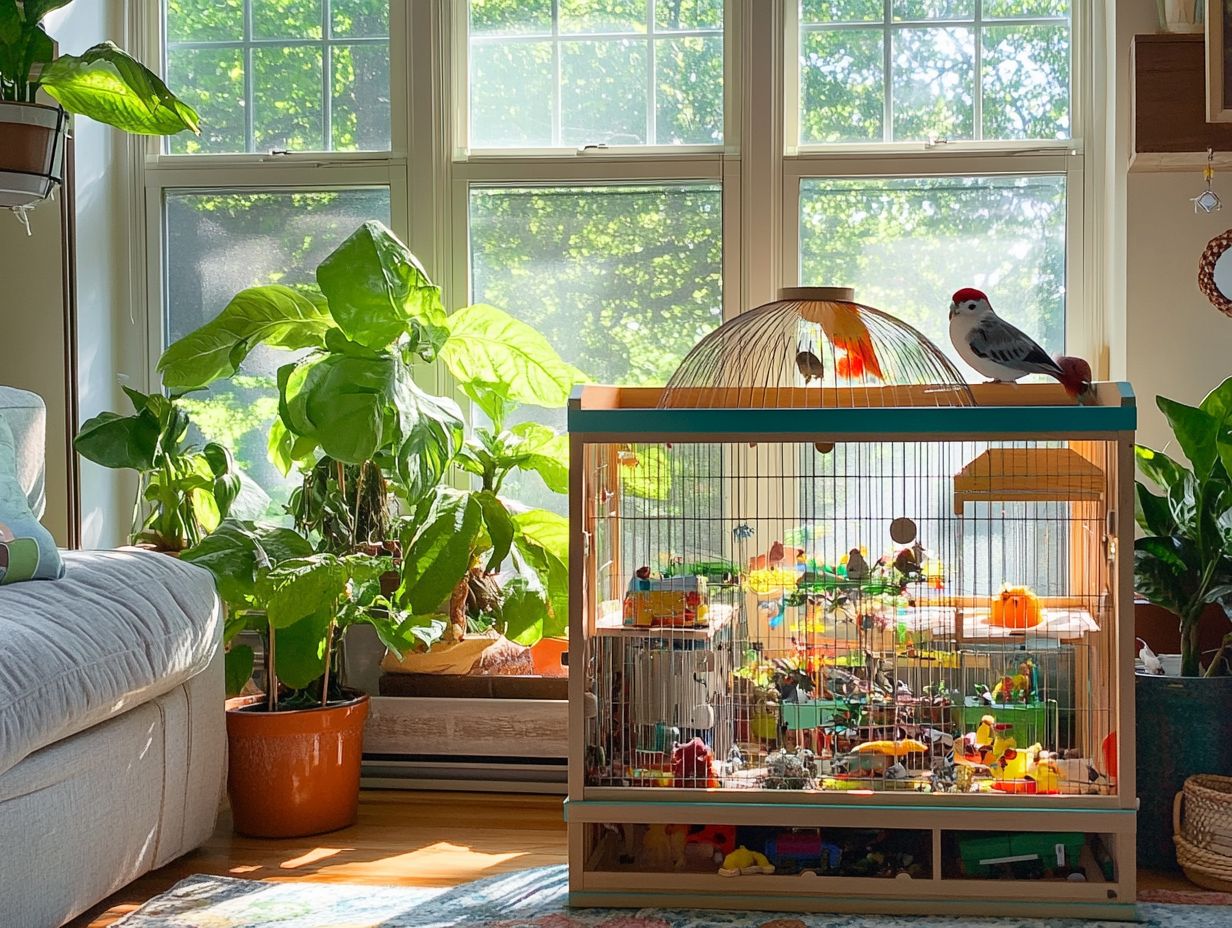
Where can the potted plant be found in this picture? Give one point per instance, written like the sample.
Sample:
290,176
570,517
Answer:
104,83
183,491
295,752
1183,562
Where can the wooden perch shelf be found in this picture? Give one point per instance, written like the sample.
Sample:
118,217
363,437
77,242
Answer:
1169,106
1027,475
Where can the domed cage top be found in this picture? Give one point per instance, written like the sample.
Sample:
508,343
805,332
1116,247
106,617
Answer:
815,347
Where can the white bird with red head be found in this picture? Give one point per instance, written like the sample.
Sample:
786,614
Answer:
992,346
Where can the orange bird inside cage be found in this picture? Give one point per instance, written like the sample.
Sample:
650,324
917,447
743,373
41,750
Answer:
846,330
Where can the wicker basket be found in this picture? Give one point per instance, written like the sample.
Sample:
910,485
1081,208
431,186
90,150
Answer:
1202,830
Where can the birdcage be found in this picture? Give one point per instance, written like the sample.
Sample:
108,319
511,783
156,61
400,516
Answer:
848,633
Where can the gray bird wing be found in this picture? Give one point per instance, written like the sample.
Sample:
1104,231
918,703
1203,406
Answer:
994,339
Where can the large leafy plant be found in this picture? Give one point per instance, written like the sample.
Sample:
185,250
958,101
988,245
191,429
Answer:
104,83
184,490
301,602
1183,562
351,415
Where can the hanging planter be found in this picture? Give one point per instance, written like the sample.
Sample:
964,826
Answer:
32,139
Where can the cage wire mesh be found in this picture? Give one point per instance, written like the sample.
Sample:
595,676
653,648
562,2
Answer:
782,355
929,616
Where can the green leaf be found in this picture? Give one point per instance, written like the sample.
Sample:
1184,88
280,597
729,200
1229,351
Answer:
431,428
1195,432
545,452
546,529
119,442
10,22
650,475
488,346
403,632
297,588
1159,467
500,527
39,50
549,573
299,649
439,552
524,612
111,86
341,402
238,668
1218,403
376,288
250,503
236,551
273,315
1152,513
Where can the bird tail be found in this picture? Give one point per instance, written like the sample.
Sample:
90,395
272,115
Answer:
847,331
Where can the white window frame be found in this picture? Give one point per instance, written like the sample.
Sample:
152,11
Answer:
430,169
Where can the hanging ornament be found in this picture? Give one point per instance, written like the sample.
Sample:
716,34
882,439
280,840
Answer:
1208,200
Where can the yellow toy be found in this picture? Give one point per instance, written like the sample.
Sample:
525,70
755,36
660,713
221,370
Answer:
984,733
743,861
891,748
1016,607
1046,775
664,846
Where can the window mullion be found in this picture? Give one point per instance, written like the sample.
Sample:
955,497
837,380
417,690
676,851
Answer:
977,92
558,71
651,52
327,76
250,98
887,76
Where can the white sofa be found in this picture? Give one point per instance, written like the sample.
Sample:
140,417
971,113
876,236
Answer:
112,731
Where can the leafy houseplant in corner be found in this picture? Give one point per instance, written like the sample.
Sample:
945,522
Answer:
103,83
183,491
1183,562
294,752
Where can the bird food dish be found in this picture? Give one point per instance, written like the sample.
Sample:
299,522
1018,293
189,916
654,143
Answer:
912,588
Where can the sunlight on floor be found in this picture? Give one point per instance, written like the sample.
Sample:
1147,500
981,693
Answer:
440,864
316,854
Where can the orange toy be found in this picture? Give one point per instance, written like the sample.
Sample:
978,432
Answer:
1016,607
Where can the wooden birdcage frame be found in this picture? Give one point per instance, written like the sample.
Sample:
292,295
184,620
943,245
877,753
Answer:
604,418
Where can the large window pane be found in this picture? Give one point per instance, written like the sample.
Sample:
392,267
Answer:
622,280
907,244
595,72
218,243
299,75
916,62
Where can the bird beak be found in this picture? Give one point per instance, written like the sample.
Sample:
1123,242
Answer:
953,309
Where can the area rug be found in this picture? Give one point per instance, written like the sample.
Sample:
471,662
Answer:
526,899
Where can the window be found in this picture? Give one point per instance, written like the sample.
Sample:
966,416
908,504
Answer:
295,75
916,70
553,73
590,178
218,243
906,244
623,280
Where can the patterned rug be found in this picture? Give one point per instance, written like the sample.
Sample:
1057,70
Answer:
525,899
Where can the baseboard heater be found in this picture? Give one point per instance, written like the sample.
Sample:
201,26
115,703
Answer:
466,743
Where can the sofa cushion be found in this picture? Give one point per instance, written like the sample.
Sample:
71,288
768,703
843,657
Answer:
27,417
120,629
27,550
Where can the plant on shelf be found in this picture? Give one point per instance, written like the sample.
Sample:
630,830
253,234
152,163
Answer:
183,490
351,417
1183,562
456,548
362,432
104,83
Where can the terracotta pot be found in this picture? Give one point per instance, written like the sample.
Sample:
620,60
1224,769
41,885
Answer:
32,138
294,773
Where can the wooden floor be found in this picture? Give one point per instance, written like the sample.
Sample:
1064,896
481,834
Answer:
402,838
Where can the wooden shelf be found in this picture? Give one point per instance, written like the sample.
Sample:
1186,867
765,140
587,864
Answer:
1027,475
1170,131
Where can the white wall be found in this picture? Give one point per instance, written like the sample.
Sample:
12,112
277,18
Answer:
1168,340
31,298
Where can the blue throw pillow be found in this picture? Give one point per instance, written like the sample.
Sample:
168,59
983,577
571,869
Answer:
27,551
